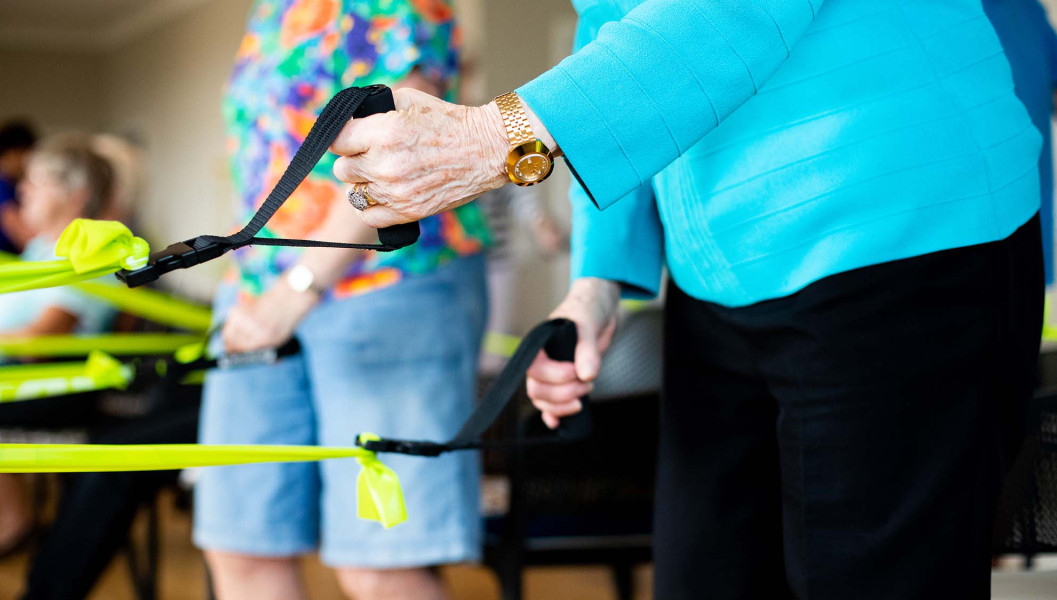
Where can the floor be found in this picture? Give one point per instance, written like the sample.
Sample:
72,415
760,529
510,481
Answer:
182,576
183,572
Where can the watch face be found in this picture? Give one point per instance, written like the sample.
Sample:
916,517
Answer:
532,167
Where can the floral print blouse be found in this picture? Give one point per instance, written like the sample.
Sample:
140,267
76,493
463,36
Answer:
295,56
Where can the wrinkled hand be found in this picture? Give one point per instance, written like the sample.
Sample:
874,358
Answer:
556,387
426,157
266,322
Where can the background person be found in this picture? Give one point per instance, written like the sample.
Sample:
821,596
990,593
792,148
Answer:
390,341
16,141
64,180
848,210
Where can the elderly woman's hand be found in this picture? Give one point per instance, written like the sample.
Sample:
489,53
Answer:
268,321
427,157
556,387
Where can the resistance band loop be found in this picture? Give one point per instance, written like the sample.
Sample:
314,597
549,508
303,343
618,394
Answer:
349,103
86,250
379,496
558,339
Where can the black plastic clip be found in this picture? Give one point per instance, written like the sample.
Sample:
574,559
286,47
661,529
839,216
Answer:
177,256
402,447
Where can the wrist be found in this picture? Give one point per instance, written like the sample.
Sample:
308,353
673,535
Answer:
596,286
599,292
539,130
486,126
299,301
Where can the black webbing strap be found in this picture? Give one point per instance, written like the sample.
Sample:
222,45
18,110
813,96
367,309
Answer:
175,371
558,339
354,102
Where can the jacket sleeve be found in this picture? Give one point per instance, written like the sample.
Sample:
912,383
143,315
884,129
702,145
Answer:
656,81
624,243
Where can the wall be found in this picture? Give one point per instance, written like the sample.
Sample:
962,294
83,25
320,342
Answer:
165,88
58,90
514,46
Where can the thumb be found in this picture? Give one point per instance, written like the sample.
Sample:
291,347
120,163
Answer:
588,357
404,98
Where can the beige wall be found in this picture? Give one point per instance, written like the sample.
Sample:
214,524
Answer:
515,46
165,88
58,90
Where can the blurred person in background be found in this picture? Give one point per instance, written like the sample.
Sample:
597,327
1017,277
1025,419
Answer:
1031,46
96,510
390,340
16,141
507,210
64,180
127,160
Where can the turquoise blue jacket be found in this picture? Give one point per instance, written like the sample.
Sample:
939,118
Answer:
760,145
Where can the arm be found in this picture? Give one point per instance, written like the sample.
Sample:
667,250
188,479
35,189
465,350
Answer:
652,76
271,319
619,250
621,109
623,244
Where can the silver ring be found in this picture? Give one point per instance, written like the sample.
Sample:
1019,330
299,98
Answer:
359,198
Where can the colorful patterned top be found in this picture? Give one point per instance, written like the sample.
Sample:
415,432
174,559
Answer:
295,56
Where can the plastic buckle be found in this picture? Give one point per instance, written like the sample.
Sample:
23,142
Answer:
402,447
177,256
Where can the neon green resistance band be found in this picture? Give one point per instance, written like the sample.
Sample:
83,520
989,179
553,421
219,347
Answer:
117,344
86,249
28,382
379,495
151,305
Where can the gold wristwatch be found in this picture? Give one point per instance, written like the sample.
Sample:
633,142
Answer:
529,161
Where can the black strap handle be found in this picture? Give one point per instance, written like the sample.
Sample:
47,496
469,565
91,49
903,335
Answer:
175,371
353,102
558,339
562,347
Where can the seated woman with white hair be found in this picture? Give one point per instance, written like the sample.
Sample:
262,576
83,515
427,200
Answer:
65,180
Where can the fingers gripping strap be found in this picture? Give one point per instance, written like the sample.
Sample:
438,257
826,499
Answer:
335,114
346,104
558,338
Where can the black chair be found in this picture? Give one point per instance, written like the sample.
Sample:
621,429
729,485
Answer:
129,416
1027,516
589,501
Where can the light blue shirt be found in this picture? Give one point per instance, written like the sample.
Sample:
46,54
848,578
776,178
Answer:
19,309
759,146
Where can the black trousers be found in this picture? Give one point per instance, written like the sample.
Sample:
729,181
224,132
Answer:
847,442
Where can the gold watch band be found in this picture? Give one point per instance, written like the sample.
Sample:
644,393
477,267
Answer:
517,124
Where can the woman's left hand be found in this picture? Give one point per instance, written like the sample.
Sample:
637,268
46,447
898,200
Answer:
426,157
268,321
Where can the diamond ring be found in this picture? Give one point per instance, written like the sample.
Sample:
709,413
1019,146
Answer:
359,198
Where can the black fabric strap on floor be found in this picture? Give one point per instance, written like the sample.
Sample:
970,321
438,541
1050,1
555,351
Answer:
353,102
558,339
